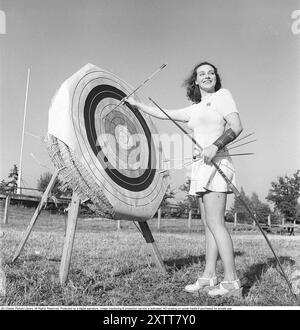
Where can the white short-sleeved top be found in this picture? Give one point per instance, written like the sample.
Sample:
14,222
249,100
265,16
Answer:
206,118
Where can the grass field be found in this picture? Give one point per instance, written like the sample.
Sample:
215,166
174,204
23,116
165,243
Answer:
116,268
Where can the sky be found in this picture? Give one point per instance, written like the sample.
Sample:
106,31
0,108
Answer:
255,45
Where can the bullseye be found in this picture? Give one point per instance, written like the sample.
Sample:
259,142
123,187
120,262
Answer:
123,137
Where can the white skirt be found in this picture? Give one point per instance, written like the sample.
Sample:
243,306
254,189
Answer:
205,177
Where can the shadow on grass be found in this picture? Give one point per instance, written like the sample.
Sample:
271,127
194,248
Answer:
182,262
20,260
34,257
255,272
190,260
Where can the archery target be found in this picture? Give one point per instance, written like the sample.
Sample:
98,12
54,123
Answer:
112,141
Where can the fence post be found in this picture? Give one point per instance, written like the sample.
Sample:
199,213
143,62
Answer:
7,202
119,225
158,218
269,221
294,227
254,223
190,220
235,220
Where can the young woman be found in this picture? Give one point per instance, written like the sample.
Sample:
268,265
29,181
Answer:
215,121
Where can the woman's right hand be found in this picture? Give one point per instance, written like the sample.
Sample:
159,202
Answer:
152,111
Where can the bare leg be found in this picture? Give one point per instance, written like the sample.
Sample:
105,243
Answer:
214,205
211,249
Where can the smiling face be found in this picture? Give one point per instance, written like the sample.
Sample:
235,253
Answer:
206,78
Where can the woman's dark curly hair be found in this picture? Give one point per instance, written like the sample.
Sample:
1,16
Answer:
192,90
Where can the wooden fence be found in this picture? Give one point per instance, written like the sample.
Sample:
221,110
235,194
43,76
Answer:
171,211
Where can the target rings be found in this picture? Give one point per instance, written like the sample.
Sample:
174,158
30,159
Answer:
111,143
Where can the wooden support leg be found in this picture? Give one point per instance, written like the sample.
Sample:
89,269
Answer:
35,215
149,239
69,239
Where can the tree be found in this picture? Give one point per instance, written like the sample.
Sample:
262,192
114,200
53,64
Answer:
56,190
239,208
13,176
189,201
170,193
298,213
262,210
285,193
3,186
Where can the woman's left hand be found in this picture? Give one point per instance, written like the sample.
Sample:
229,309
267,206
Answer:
209,153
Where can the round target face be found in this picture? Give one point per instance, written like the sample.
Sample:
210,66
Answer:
120,138
112,140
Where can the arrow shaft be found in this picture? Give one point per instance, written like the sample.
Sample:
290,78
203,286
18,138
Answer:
238,140
239,145
141,85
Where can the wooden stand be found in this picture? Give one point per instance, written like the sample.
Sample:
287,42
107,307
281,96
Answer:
70,233
69,238
149,239
35,215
